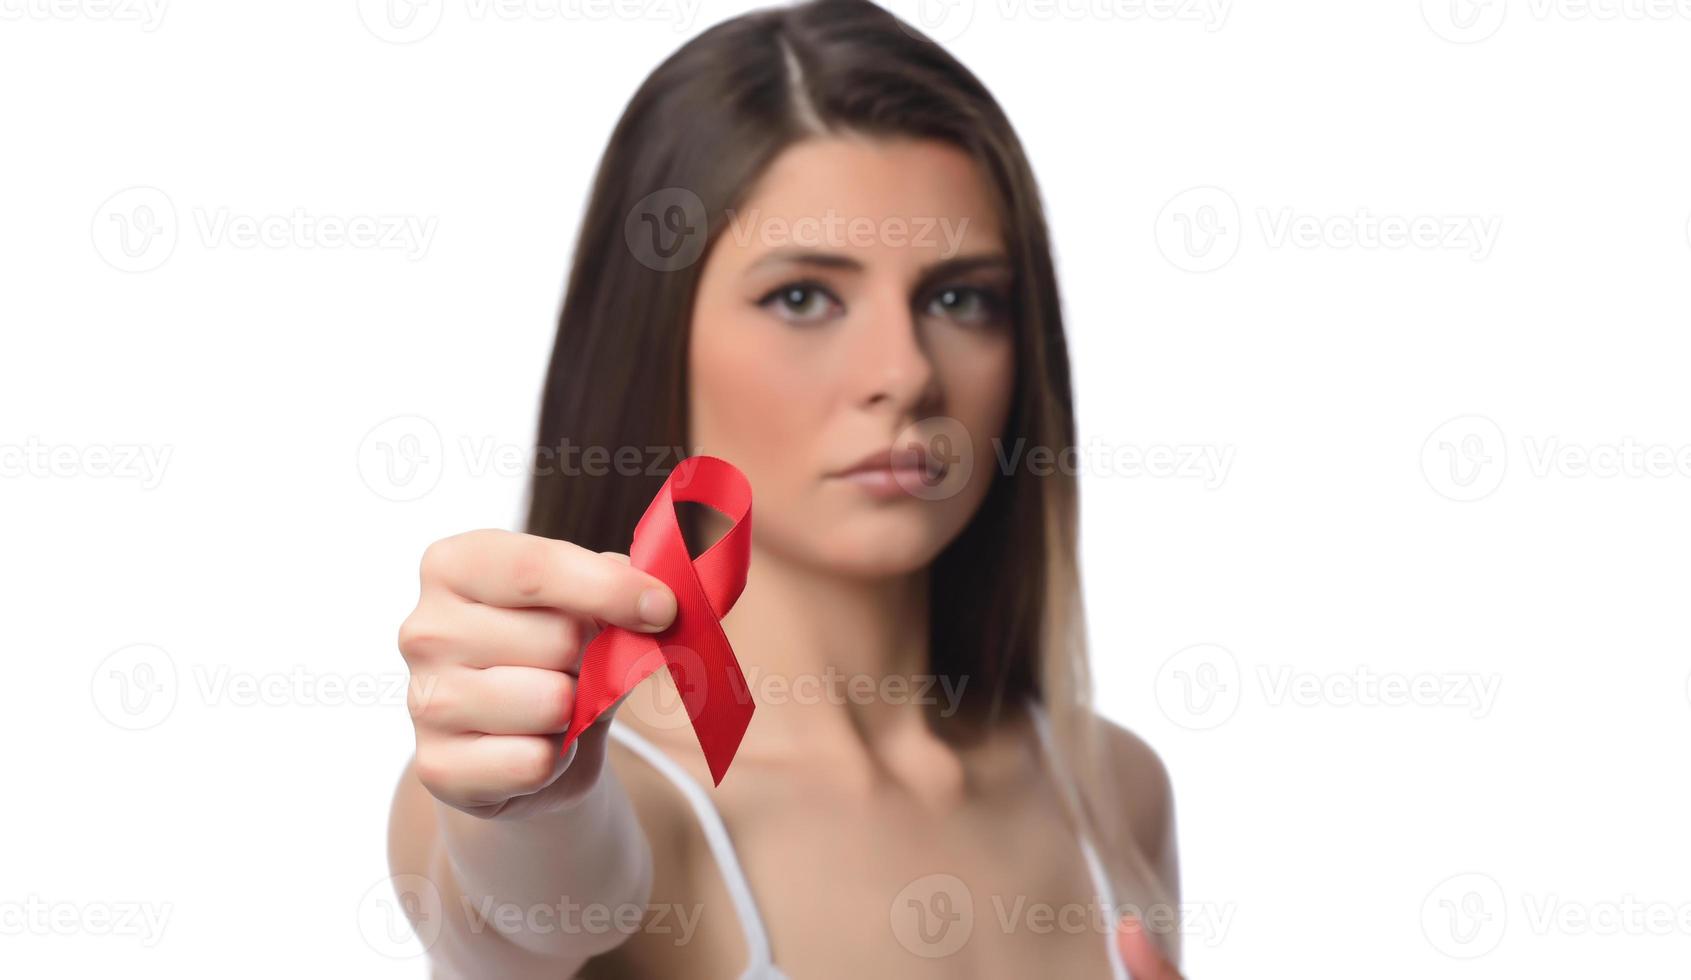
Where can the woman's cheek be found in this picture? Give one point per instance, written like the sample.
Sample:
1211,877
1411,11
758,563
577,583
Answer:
751,410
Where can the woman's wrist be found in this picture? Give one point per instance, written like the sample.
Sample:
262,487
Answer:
528,876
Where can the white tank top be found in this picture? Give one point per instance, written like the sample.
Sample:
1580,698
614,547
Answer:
761,965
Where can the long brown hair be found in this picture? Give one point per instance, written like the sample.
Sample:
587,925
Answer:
1006,608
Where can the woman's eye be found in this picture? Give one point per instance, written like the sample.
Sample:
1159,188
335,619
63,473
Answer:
967,304
799,302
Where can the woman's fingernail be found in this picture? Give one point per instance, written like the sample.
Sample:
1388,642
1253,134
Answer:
657,608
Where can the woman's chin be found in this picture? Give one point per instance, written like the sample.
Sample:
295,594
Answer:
879,547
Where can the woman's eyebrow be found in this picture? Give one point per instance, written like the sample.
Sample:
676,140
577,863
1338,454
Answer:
807,256
965,263
834,260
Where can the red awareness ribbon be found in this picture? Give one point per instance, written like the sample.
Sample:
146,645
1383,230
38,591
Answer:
715,693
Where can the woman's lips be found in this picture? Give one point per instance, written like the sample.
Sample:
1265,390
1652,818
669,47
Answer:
889,475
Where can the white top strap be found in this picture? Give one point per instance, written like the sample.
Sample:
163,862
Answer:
1066,785
721,847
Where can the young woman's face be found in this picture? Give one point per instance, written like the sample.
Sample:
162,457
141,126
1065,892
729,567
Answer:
857,302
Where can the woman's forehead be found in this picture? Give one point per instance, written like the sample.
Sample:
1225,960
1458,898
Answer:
863,191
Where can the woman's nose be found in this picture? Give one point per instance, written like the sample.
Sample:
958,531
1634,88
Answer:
890,363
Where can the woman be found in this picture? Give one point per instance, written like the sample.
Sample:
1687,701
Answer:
813,248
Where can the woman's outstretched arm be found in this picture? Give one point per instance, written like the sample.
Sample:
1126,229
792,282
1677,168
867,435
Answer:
528,861
493,875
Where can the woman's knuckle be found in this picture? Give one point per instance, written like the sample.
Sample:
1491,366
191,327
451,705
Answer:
531,763
559,704
436,557
567,635
432,770
529,570
423,698
422,637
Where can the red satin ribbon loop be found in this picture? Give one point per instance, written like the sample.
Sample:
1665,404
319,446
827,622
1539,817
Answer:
713,690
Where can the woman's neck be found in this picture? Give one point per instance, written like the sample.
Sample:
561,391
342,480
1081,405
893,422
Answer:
840,670
808,633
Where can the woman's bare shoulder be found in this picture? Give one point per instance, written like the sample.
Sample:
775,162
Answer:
1149,792
1132,759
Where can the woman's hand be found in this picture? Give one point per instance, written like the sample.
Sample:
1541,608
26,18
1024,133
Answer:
1144,961
494,647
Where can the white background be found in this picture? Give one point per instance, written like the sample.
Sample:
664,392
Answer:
1456,468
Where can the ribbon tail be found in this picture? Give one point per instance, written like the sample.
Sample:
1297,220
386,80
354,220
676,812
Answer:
611,666
717,697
